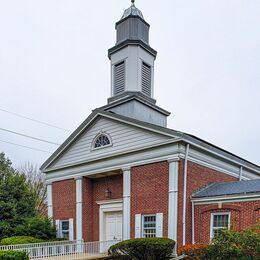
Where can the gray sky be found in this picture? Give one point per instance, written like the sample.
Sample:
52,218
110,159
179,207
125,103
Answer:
54,68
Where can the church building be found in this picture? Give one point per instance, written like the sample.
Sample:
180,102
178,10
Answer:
123,174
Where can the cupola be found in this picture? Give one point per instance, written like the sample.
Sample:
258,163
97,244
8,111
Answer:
132,58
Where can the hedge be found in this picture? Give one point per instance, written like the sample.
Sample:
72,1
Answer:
13,255
143,248
20,240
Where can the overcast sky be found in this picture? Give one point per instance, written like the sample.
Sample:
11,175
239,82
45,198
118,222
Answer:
54,68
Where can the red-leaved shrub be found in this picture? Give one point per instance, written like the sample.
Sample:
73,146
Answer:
196,251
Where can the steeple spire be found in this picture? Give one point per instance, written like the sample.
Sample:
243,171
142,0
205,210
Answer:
133,2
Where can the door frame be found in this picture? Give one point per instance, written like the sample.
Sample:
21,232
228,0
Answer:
107,206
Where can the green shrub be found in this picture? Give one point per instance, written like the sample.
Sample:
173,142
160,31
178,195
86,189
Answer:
20,240
231,244
143,248
37,227
13,255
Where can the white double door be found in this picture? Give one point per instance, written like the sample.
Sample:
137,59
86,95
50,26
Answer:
113,226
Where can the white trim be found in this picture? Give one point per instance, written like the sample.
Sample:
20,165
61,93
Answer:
79,235
217,168
104,202
71,229
126,203
225,198
49,201
138,226
193,222
173,200
241,173
185,195
223,157
211,221
173,157
58,231
105,207
168,142
159,225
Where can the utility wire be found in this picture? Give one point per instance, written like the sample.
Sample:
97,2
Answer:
28,136
34,120
24,146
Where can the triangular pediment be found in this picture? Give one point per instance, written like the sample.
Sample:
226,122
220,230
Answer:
125,138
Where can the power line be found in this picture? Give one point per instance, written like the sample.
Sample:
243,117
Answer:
24,146
34,120
28,136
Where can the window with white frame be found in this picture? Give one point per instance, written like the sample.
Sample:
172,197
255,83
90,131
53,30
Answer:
219,221
101,140
149,226
65,229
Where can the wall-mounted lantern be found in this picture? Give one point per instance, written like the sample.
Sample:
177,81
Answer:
108,193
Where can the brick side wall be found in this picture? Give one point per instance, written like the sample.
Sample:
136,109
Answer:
64,201
198,176
115,185
149,192
243,215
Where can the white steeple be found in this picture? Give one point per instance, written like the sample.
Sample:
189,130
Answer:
132,59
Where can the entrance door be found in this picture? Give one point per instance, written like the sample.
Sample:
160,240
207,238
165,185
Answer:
113,226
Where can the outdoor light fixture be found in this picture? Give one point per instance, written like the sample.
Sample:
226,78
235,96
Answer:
108,193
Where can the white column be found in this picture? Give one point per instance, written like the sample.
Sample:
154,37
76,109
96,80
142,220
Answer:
173,200
49,200
79,236
126,203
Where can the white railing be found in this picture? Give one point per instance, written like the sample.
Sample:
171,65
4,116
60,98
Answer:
77,249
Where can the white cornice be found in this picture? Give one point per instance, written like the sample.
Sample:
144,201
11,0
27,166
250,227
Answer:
230,198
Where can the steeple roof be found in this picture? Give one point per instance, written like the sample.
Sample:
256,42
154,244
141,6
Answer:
132,11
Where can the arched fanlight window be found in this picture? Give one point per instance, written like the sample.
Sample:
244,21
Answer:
101,140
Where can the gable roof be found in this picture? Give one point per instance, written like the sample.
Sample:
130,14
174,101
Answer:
229,188
101,113
150,127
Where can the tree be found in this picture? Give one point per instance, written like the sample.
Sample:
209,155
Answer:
36,181
17,201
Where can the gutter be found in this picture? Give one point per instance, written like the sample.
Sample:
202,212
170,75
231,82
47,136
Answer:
185,195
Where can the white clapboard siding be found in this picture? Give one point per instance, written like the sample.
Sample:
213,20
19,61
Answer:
124,138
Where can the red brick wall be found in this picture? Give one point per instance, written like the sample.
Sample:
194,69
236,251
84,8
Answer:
149,192
64,201
115,185
242,216
87,210
197,177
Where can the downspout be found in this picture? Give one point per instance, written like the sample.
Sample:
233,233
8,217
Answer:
240,173
185,195
192,223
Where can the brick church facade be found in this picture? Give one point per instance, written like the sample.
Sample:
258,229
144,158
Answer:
124,174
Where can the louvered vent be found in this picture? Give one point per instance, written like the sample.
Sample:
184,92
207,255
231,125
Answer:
146,79
119,78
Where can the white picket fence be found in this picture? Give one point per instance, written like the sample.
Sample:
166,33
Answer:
75,249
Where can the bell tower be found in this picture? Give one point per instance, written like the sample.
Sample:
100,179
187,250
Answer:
132,71
132,58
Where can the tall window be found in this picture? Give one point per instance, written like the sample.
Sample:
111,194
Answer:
149,226
146,79
65,229
101,140
119,78
219,221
